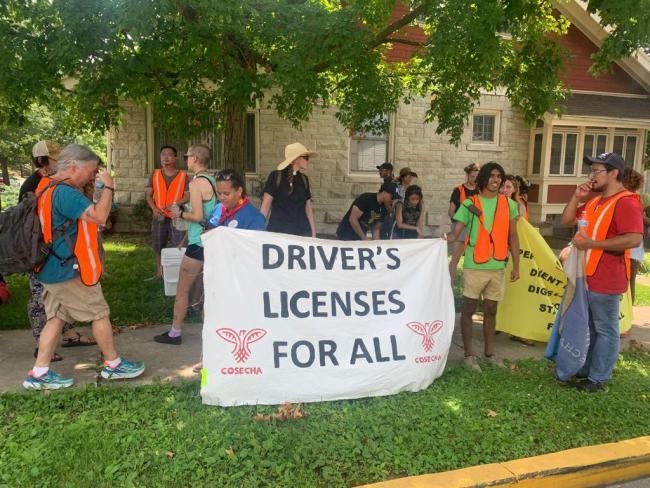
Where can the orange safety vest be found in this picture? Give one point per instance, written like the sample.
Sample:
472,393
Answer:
493,244
163,196
600,218
86,249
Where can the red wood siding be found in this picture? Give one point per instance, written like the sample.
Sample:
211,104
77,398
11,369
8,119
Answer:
402,52
577,75
560,193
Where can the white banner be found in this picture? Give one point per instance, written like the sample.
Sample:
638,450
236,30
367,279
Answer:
302,320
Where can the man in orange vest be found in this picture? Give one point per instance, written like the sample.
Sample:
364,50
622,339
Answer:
166,186
613,224
491,223
458,196
70,275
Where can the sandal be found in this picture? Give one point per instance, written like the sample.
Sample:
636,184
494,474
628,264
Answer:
525,342
55,357
78,341
197,367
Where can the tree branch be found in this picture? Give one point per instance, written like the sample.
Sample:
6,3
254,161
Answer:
380,38
402,41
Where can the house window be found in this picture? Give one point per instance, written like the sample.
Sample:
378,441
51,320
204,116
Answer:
563,153
625,145
213,138
594,144
485,127
368,150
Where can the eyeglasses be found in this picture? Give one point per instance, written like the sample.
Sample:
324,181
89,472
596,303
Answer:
225,175
594,172
186,156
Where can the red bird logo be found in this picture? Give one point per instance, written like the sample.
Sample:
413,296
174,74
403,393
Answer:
426,330
241,340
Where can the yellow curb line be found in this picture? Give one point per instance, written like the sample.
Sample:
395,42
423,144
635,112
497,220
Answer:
582,467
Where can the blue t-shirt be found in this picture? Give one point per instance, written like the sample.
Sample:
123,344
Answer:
67,203
247,217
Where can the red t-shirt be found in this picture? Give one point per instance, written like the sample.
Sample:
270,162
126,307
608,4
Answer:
610,277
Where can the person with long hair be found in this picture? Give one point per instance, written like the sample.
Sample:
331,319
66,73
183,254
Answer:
409,215
633,181
203,199
510,189
286,201
45,155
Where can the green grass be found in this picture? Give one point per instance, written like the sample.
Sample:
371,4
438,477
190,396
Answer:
129,260
162,435
9,195
642,293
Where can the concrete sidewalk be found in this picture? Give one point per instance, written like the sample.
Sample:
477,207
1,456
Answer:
173,363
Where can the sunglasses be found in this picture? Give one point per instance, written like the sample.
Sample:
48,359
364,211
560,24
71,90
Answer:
186,156
225,175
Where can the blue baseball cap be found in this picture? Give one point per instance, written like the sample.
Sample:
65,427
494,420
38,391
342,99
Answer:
612,159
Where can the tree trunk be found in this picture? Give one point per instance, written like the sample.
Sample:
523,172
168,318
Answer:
233,139
5,170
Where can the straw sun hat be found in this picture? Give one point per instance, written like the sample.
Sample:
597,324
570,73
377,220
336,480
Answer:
293,152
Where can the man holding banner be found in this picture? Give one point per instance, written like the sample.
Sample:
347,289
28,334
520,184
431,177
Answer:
613,224
491,220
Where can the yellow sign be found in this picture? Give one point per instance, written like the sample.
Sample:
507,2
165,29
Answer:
530,304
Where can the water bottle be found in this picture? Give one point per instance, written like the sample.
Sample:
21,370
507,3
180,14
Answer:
173,209
583,222
99,188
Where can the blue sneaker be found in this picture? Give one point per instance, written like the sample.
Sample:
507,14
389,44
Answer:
126,369
49,381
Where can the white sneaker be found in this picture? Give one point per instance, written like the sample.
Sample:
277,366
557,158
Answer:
471,363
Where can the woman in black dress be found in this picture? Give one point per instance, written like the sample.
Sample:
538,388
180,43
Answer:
287,196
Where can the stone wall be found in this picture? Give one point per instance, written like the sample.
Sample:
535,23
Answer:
128,157
438,163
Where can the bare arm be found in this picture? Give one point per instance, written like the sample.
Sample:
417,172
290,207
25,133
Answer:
310,217
420,224
98,213
265,208
199,188
452,210
513,244
152,205
185,198
355,215
569,214
376,231
453,235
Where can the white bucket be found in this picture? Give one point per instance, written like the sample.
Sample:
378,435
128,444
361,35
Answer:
170,258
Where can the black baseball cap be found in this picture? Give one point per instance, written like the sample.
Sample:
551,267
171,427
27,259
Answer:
390,187
387,166
612,159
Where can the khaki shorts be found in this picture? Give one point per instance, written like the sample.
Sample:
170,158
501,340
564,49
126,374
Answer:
490,283
72,301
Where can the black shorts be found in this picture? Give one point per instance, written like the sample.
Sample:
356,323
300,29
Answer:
194,251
